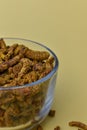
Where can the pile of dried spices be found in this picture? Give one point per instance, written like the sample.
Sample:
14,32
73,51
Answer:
20,65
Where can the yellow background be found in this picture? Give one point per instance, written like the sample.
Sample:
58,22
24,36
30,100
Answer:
62,26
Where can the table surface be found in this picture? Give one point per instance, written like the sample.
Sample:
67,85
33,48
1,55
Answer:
62,26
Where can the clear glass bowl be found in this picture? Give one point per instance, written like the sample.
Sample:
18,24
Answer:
33,101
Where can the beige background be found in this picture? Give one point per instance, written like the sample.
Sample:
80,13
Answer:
62,26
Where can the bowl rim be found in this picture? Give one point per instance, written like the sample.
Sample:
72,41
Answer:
48,76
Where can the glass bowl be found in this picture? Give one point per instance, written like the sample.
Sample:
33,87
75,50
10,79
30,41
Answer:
23,107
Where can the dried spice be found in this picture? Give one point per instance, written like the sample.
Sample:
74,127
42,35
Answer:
15,69
39,127
20,49
57,128
20,65
10,51
37,55
52,113
5,65
25,68
78,124
2,44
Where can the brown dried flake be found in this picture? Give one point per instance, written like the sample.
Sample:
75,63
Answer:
39,127
16,69
10,51
4,79
31,76
14,60
57,128
25,68
50,60
78,124
37,55
5,65
52,113
20,49
38,67
2,44
2,56
47,69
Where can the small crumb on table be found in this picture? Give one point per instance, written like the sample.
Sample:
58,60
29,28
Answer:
51,113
